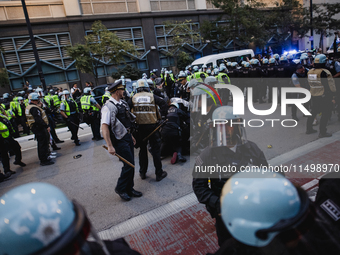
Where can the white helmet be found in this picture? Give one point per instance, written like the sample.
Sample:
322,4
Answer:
66,92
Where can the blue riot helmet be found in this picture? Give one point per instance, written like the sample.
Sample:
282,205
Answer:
276,56
193,83
181,101
265,61
283,58
320,59
246,64
195,68
196,97
175,104
87,90
251,62
33,96
142,85
234,64
255,61
304,56
222,130
222,68
272,61
289,56
228,63
208,71
210,80
37,218
242,63
5,95
216,71
257,207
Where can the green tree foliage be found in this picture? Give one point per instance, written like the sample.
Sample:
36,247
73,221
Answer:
180,33
288,16
324,20
184,59
245,23
101,46
254,22
128,72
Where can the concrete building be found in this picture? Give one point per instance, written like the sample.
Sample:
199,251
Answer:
58,23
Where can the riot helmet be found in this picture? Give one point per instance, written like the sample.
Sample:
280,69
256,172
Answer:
226,129
40,218
258,206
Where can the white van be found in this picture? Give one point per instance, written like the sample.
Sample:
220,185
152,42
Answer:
217,59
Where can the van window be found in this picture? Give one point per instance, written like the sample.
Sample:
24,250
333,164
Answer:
234,59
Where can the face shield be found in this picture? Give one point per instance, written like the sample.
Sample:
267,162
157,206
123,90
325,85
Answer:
74,241
227,133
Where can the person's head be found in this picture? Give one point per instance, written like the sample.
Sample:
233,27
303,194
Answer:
257,207
153,77
27,83
300,69
182,77
40,92
87,84
75,85
87,91
116,89
210,80
272,61
222,130
320,61
34,98
310,53
195,68
66,94
38,218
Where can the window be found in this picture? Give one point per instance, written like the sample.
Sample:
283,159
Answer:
20,63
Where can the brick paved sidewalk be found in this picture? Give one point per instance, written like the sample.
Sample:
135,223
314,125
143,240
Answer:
192,231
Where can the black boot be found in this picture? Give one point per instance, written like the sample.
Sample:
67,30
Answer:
181,158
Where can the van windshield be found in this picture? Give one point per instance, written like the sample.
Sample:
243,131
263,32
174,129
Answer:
234,59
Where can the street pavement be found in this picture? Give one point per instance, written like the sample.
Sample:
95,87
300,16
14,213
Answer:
168,218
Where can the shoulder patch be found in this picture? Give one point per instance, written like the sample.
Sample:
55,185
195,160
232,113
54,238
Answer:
331,209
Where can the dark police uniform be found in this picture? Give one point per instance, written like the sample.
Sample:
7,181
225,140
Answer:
245,154
70,108
172,132
117,115
38,123
144,106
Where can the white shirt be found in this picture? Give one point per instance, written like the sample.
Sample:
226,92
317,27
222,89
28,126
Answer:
106,116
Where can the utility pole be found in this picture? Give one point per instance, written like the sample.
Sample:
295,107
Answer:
36,56
311,23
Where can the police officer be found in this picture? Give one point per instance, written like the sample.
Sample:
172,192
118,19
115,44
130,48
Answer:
199,76
18,113
9,144
183,90
56,100
91,109
106,96
172,133
144,106
228,148
48,107
47,222
299,79
116,127
280,218
168,83
257,85
38,123
322,88
69,111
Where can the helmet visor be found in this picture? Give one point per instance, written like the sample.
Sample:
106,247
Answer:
227,133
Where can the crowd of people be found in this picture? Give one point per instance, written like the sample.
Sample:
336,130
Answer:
162,115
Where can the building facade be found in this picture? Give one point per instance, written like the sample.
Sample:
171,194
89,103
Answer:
59,23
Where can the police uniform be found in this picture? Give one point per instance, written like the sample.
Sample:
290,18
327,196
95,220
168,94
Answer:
88,105
245,154
38,123
322,87
117,115
172,132
144,106
10,144
70,108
